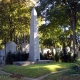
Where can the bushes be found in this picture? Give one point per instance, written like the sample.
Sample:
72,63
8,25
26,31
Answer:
10,58
48,56
62,56
67,57
57,57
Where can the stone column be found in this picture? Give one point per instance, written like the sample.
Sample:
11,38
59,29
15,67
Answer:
34,53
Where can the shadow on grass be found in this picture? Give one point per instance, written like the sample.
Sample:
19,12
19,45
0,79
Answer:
37,70
66,75
7,77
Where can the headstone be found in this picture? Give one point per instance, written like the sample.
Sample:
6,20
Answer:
46,50
67,49
72,52
25,47
34,54
10,47
54,51
2,56
58,50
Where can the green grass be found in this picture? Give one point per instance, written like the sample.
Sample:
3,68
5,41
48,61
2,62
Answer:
37,70
66,75
7,77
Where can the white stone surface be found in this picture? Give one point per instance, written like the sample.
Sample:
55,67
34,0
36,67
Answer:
2,55
45,50
25,47
10,46
54,51
67,49
58,50
34,53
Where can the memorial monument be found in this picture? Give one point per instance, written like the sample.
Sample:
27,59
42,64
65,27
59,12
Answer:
34,54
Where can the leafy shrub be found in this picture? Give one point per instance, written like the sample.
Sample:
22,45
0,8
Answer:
20,56
68,57
9,58
48,56
41,56
57,57
74,70
45,57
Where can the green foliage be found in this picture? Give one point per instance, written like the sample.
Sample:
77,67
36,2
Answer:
62,56
57,57
75,70
63,76
59,15
15,18
66,57
9,58
12,57
48,42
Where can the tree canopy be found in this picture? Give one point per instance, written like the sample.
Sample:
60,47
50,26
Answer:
58,14
14,18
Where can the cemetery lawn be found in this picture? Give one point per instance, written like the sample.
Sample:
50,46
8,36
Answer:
7,77
66,75
37,70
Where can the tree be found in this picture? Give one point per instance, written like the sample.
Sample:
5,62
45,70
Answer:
14,18
58,13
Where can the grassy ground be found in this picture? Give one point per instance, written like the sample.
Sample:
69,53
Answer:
7,77
72,74
62,76
37,70
66,75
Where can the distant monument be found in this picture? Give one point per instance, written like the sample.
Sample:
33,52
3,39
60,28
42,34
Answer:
25,47
34,53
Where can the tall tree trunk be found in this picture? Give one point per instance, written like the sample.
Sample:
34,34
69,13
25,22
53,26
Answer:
73,13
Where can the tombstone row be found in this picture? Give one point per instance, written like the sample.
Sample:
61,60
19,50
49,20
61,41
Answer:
12,47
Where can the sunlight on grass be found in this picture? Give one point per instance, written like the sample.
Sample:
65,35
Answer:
40,69
53,67
78,59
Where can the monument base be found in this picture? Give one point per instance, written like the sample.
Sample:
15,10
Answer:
25,63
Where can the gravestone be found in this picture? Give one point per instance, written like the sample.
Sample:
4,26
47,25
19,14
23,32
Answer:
2,57
34,53
46,50
10,47
54,51
67,49
25,47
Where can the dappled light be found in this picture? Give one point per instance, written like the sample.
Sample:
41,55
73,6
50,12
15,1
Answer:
55,48
40,69
53,67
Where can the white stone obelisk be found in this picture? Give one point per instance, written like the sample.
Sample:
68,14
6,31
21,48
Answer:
34,54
